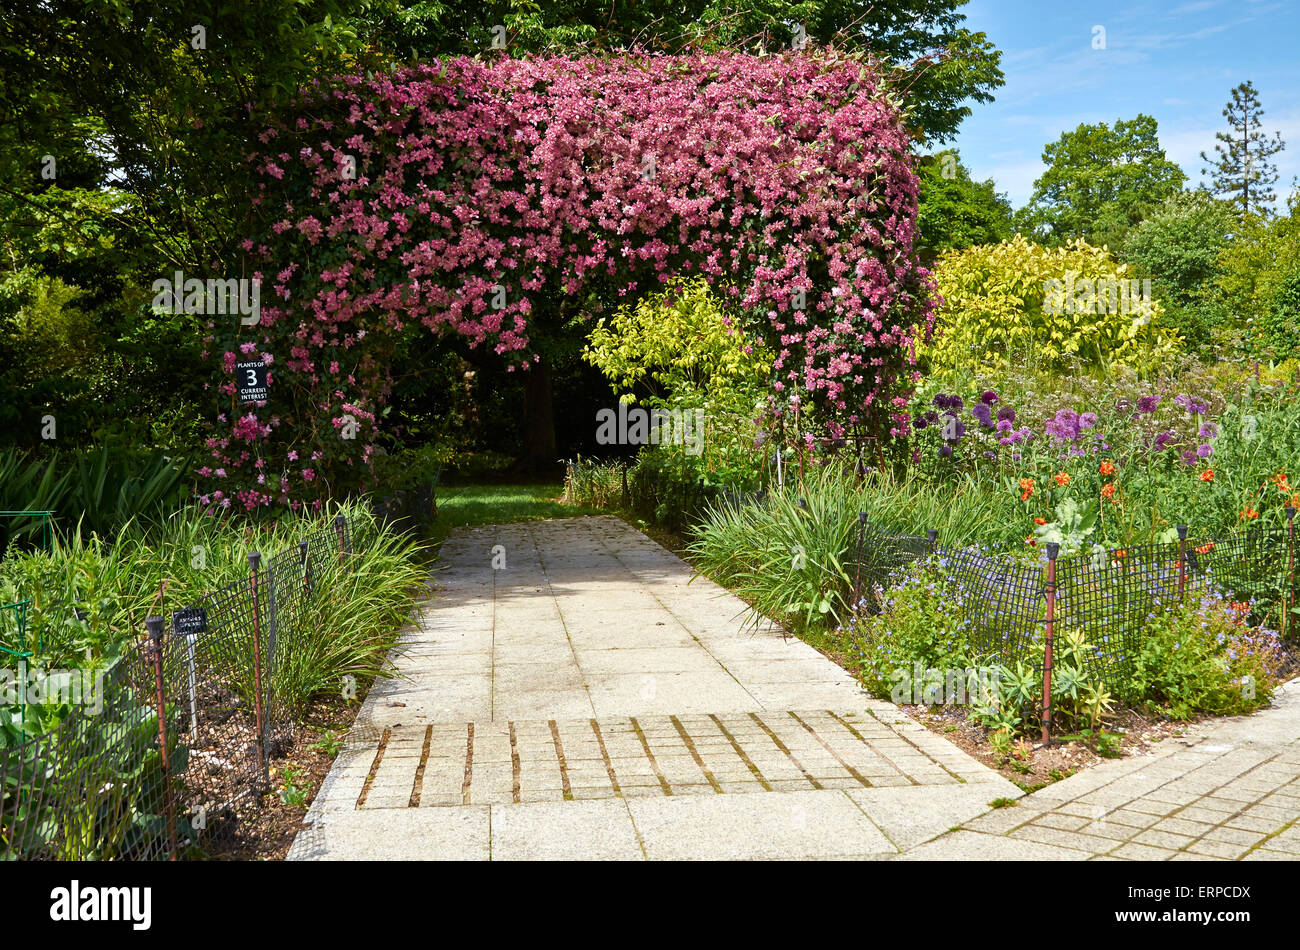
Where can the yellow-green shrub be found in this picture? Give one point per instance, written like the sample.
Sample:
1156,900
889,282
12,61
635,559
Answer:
1020,301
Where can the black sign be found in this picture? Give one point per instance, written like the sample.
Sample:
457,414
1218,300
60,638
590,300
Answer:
252,381
190,621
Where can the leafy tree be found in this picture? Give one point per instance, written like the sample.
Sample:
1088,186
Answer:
954,211
1252,271
1243,169
1100,182
939,66
1275,333
1178,247
124,136
681,350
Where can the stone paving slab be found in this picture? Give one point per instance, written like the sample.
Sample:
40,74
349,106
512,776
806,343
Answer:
1228,790
514,762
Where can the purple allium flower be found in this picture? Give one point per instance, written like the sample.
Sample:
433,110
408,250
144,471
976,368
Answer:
1064,426
945,450
1148,403
989,397
1087,420
1189,457
920,422
1209,430
983,414
1204,450
1006,414
1004,425
1197,407
1163,440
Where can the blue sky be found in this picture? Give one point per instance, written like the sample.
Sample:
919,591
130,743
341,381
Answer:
1176,61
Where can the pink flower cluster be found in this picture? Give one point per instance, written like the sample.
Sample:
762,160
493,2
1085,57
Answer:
472,196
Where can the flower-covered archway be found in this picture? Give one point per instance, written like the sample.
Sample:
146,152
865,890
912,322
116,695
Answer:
484,198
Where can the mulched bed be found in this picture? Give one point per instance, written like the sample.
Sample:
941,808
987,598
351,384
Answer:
1033,766
262,825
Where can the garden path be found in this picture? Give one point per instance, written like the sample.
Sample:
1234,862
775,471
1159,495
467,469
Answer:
1228,790
586,699
572,693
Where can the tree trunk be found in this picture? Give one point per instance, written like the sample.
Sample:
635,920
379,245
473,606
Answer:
539,451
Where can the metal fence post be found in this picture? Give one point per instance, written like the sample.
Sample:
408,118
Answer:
341,526
1053,549
857,560
254,563
306,567
1290,569
1182,563
154,650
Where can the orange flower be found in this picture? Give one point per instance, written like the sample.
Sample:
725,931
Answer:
1248,513
1040,521
1026,488
1205,548
1107,468
1121,553
1280,481
1061,478
1294,502
1108,490
1207,475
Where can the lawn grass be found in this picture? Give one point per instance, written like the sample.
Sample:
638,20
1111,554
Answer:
499,504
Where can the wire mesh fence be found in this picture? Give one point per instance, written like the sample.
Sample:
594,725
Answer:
1106,594
166,750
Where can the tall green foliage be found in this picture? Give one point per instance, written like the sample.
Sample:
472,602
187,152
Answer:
681,351
955,211
1101,180
1018,301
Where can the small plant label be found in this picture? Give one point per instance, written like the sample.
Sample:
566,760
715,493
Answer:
252,381
190,622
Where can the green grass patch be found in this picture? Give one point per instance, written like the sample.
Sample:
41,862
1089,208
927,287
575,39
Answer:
469,505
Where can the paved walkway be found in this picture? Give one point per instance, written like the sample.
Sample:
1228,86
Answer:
584,701
1229,790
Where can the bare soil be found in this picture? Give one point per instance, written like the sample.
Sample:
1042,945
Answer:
262,825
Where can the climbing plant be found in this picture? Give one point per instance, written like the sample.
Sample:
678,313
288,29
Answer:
495,199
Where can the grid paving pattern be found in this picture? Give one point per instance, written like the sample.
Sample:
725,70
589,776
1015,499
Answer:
544,760
1228,791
